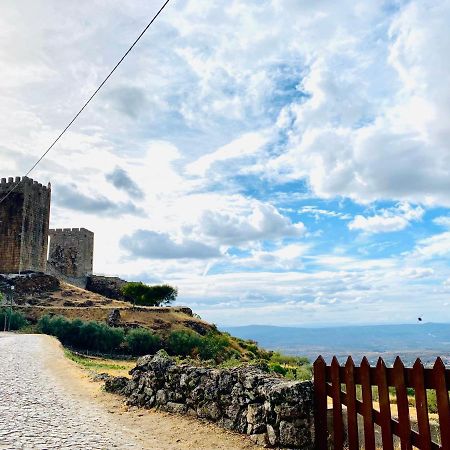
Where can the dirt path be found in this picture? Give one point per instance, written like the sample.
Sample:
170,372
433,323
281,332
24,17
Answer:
48,402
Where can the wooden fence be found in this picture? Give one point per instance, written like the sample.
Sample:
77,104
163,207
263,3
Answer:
351,387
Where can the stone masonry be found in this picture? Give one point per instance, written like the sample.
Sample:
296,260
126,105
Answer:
24,224
71,254
271,410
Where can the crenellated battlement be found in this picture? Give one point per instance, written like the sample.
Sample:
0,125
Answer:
71,254
56,231
6,183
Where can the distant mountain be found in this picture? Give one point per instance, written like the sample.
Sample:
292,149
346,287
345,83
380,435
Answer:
426,340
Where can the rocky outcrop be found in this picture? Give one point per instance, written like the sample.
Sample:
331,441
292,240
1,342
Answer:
113,318
29,286
107,286
271,410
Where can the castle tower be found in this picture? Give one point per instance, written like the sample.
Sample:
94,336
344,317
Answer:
24,223
71,254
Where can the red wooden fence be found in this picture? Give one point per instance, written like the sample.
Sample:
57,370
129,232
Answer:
340,383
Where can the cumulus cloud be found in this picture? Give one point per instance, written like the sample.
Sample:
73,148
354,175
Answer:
263,222
153,245
388,220
121,180
434,246
230,117
379,144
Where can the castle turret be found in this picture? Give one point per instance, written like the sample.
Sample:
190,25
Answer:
71,254
24,225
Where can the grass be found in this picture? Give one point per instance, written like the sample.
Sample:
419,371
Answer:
118,368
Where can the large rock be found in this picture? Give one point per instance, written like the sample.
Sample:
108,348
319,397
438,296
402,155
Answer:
109,287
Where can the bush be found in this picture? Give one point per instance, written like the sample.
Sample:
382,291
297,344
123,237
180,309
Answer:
183,343
277,368
214,346
142,342
15,319
279,358
82,335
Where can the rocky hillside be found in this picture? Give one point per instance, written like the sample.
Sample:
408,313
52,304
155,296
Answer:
37,295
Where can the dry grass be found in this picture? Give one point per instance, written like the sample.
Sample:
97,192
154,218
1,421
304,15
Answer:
160,320
114,367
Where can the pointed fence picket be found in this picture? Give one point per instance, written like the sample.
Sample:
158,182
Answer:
341,384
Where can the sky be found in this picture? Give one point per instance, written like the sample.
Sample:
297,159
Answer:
281,162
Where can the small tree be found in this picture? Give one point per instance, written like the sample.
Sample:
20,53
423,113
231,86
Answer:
141,294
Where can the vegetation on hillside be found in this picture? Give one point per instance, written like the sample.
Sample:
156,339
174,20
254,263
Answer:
11,320
141,294
213,349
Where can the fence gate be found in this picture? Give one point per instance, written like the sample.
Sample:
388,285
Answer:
353,391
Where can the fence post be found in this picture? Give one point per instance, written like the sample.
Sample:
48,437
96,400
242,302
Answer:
385,406
320,404
366,387
352,415
420,394
442,402
402,404
338,424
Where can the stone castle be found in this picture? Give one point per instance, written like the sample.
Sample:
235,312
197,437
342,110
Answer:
71,254
25,233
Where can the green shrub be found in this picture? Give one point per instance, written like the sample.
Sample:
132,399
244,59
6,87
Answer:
214,346
277,368
82,335
183,343
142,342
15,319
301,373
279,358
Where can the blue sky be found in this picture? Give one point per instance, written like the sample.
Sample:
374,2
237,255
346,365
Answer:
280,161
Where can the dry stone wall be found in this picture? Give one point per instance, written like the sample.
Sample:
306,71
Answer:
271,410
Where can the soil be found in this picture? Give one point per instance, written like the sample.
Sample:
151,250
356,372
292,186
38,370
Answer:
153,429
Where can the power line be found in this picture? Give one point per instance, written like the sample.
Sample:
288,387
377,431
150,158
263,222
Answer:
15,185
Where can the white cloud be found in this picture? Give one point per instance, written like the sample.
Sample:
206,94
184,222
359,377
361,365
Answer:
434,246
349,97
263,221
244,146
388,220
417,273
318,212
442,221
374,127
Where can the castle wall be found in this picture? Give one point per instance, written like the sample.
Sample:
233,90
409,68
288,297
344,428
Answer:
71,253
24,224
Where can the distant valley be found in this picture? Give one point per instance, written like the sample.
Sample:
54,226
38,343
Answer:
427,341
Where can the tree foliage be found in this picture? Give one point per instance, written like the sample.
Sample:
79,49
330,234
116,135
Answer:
141,294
